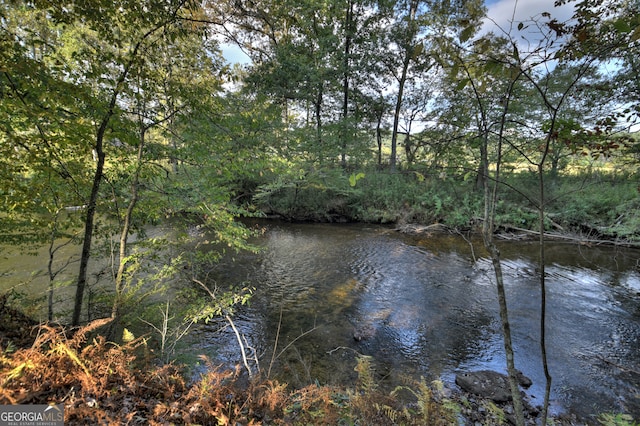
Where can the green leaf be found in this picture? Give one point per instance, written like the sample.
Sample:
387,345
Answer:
462,84
354,178
466,34
417,50
622,26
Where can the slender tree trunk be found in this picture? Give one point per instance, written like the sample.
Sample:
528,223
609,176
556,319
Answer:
318,117
345,82
379,114
89,219
97,178
543,298
491,199
483,168
52,274
408,56
396,114
123,247
379,140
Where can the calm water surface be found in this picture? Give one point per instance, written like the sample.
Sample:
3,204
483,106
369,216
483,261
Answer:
427,307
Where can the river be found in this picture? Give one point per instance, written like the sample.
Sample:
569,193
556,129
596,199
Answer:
421,307
427,307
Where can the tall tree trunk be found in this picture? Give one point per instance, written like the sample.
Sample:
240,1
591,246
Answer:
97,176
379,140
345,82
543,296
483,171
379,114
114,326
318,117
396,114
408,57
491,199
91,212
52,274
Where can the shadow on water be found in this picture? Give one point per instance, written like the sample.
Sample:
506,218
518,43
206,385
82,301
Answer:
425,307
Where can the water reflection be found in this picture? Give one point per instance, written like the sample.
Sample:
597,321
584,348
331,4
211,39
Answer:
426,307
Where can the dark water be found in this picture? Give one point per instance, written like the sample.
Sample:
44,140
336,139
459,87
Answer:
427,307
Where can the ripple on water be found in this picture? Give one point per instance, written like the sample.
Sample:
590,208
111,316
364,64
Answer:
421,311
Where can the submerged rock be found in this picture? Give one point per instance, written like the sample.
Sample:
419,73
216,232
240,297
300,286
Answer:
489,384
364,332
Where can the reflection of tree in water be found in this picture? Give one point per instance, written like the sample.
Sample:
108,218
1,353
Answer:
419,312
422,310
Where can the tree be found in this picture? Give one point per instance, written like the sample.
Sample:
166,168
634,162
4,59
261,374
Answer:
522,106
43,150
414,35
487,70
116,48
103,87
410,49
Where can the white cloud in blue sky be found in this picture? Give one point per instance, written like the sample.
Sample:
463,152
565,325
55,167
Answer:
501,13
233,54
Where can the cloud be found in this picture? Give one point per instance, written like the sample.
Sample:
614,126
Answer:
504,15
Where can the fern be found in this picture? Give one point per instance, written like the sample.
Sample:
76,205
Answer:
608,419
433,408
388,411
366,382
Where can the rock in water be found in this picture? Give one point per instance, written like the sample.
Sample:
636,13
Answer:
524,381
489,384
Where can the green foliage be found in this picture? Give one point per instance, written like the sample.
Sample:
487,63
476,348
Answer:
606,204
413,197
354,178
219,304
316,195
433,407
619,419
426,404
366,382
78,78
144,79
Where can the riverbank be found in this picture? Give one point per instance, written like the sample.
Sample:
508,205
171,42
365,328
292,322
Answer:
510,233
590,208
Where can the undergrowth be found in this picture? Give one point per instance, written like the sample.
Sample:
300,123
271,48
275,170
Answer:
104,383
599,204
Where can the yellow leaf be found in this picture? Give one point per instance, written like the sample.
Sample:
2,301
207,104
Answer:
127,336
61,348
17,372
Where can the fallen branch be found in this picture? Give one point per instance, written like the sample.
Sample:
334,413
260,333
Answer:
568,237
628,370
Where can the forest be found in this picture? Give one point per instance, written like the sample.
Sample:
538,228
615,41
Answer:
120,116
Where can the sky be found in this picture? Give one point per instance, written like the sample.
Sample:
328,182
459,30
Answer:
233,54
500,14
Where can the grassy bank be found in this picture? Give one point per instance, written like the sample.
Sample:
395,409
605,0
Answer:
598,205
